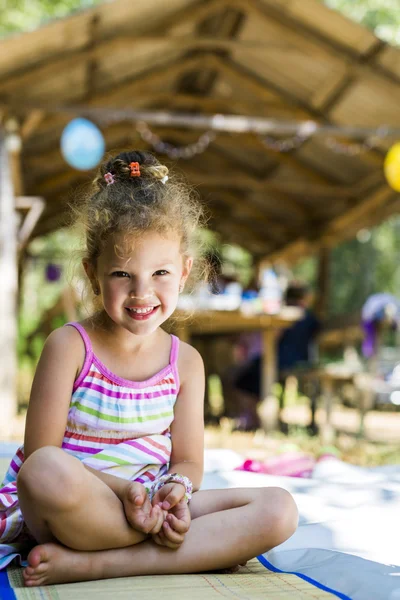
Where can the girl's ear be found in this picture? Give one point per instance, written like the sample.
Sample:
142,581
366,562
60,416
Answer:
87,265
90,272
187,267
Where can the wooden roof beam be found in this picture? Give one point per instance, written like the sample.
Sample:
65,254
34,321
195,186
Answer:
343,86
244,210
294,189
62,61
292,253
248,231
146,99
357,63
291,159
232,181
132,87
354,218
116,133
129,45
343,227
213,104
235,233
149,75
31,123
262,86
292,208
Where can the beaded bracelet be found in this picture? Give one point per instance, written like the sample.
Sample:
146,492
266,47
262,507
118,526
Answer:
176,478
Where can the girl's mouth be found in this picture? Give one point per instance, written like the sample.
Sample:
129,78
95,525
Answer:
141,313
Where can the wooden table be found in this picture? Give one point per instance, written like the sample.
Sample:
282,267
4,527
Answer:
216,323
330,376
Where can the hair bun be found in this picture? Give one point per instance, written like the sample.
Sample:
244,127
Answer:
118,169
157,171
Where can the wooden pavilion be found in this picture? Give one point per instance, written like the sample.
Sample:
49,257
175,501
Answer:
178,66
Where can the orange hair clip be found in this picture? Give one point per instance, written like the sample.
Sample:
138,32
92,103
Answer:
135,169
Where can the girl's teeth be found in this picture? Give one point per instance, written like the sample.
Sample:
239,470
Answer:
141,310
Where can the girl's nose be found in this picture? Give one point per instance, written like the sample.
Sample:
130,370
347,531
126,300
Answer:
140,289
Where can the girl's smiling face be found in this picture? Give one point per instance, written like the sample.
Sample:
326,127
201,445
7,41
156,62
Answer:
140,289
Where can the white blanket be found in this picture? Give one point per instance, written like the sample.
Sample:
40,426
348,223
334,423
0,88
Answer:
348,540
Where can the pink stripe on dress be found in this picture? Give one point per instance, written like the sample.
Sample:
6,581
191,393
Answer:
125,396
85,449
135,444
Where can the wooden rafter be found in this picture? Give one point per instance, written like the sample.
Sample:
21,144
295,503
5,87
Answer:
293,209
31,123
290,188
353,217
129,44
33,208
345,83
344,226
8,297
358,65
246,211
197,60
63,179
263,86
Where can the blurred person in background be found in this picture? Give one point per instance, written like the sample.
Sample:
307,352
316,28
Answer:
295,348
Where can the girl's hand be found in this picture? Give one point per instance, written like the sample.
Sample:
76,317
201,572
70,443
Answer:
175,526
169,495
139,512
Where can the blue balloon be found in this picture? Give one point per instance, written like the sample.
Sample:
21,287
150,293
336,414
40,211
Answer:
82,144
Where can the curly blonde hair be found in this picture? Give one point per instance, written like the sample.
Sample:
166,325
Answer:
131,205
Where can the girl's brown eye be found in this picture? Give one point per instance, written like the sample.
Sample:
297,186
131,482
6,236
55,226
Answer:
120,274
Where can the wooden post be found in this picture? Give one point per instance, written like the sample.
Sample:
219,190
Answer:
327,431
269,366
268,409
321,304
8,316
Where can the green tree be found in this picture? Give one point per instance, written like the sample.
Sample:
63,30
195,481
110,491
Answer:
381,16
364,266
25,15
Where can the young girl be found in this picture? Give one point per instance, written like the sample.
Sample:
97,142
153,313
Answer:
106,483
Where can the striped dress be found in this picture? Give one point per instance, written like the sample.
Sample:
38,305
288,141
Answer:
114,425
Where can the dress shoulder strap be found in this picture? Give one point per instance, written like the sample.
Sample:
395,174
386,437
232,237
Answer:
173,358
88,352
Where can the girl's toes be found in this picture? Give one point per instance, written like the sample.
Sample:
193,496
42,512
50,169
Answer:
37,556
35,582
41,568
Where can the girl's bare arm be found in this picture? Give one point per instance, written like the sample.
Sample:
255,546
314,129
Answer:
60,363
187,428
61,359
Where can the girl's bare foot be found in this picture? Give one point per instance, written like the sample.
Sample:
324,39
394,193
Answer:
53,563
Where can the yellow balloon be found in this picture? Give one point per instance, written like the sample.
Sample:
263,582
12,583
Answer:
391,167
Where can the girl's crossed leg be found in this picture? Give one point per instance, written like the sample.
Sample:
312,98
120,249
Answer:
62,501
228,527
